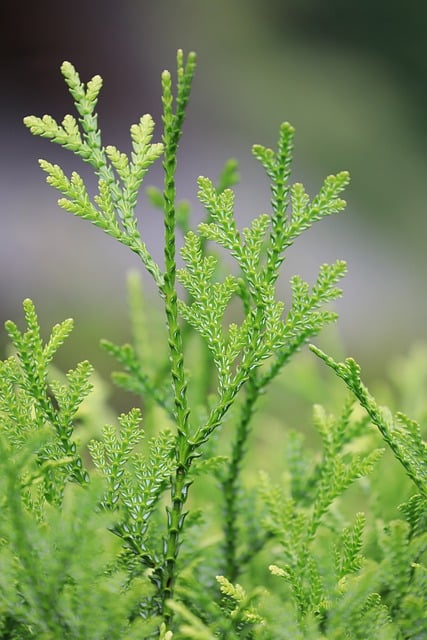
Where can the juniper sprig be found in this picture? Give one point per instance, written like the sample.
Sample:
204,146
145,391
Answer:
156,525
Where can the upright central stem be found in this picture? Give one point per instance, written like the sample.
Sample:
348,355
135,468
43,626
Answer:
179,481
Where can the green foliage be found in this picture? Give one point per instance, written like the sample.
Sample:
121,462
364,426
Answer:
402,434
162,524
119,177
31,403
294,520
54,572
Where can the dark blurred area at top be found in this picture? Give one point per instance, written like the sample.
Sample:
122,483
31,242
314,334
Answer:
33,34
36,38
393,31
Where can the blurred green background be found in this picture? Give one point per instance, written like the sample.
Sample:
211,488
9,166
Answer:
349,76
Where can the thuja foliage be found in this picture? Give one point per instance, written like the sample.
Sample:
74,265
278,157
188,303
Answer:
165,524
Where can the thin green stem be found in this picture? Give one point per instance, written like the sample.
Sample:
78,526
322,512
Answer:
179,482
220,409
256,383
172,133
230,484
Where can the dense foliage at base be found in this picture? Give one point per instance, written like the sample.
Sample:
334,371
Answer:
202,514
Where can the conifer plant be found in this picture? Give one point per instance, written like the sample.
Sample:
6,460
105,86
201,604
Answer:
154,527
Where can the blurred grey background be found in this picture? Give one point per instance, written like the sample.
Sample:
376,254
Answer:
350,76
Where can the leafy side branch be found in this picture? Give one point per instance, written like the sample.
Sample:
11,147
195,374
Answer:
401,434
119,178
